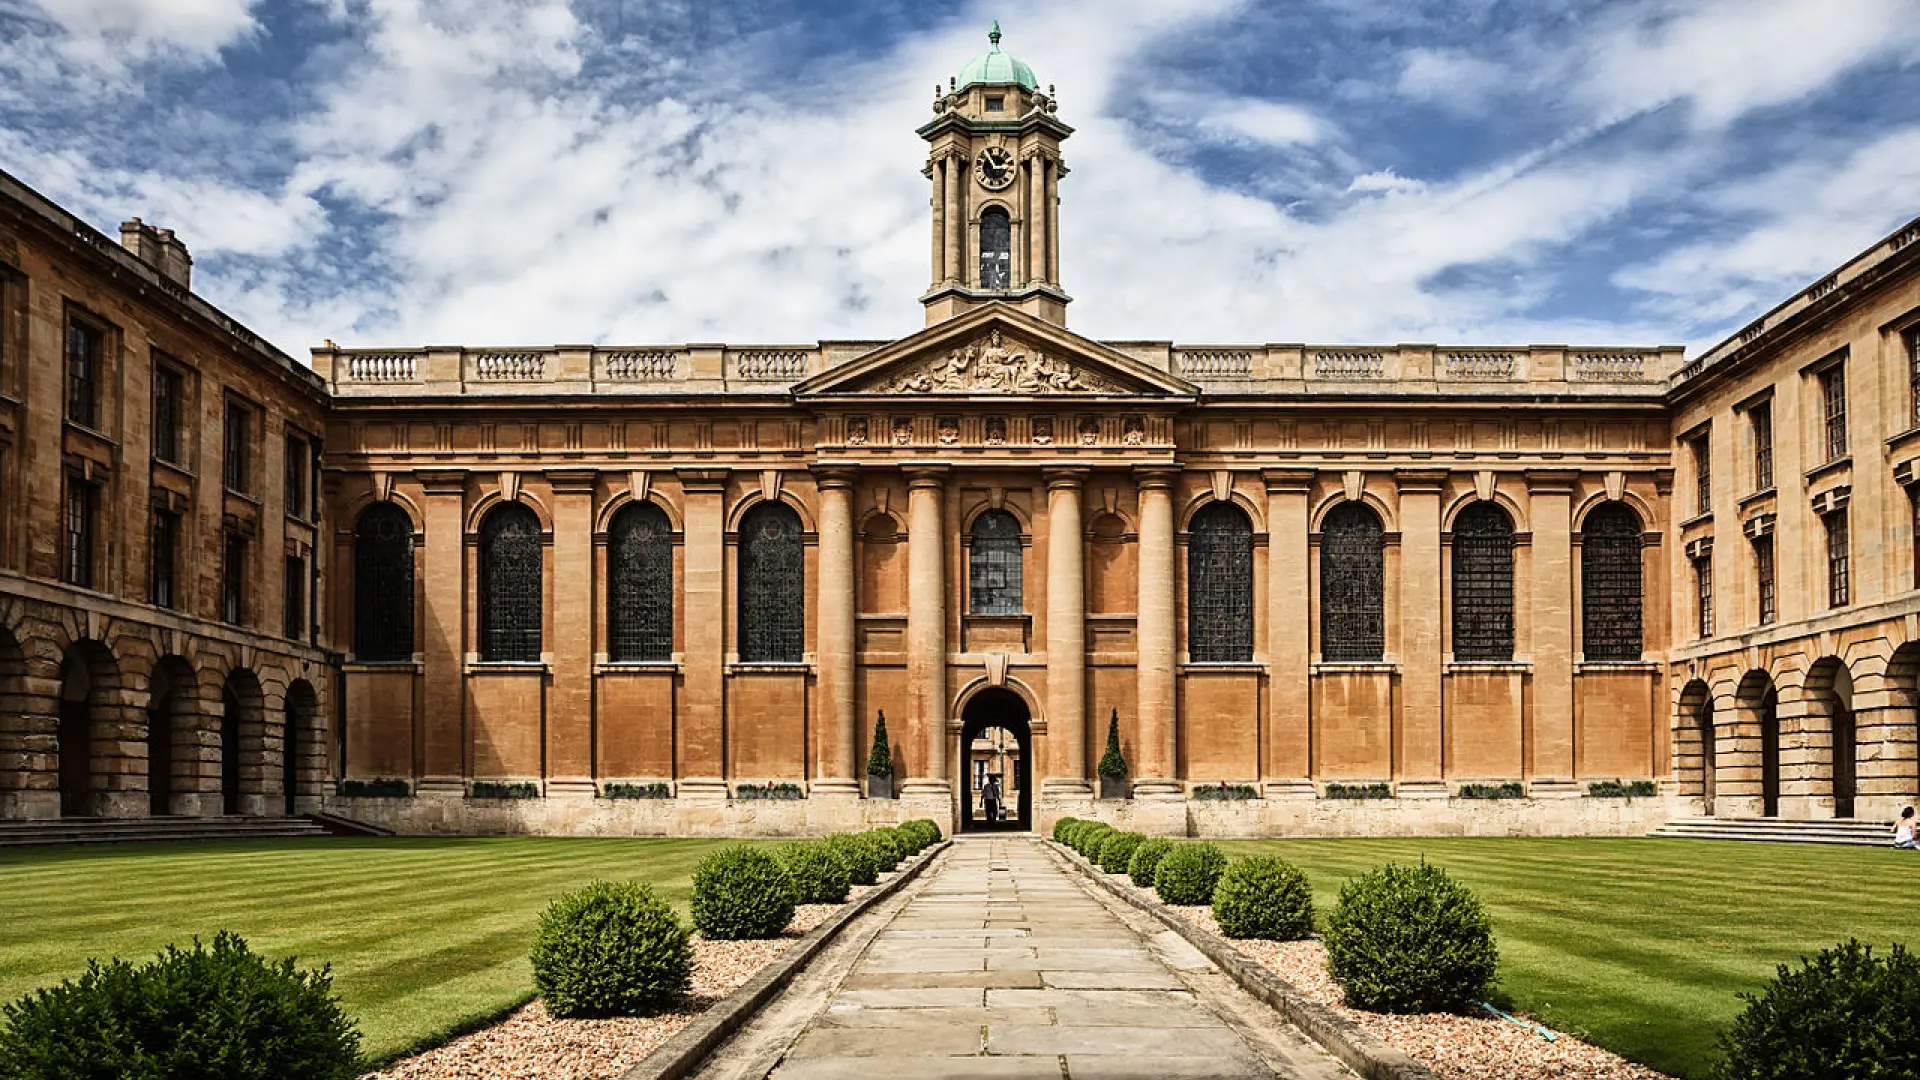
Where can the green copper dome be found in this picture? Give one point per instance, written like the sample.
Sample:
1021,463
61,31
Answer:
995,68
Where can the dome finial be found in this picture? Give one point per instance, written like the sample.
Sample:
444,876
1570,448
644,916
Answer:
993,35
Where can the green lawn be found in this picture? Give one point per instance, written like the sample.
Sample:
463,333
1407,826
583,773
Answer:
1642,945
425,935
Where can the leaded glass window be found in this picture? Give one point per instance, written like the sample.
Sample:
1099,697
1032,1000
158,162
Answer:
1610,583
1839,568
510,585
993,563
1483,584
383,584
1833,398
1761,417
996,249
1763,579
640,585
1352,586
773,588
1220,585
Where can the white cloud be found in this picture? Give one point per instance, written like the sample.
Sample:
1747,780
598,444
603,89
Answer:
105,32
1451,78
1385,181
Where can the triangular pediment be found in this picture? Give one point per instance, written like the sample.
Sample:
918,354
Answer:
996,351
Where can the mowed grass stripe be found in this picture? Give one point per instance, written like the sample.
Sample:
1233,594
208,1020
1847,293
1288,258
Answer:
1644,945
424,936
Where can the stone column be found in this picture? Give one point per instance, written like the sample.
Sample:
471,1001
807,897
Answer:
1036,219
443,738
927,626
1051,211
700,756
1155,637
956,219
1066,634
1550,728
935,170
1289,751
839,740
570,699
1421,611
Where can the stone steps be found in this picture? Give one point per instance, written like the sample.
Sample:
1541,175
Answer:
1849,831
143,830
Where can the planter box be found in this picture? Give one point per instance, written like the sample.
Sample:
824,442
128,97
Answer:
879,787
1113,787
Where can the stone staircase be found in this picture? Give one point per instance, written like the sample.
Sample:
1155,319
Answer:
1852,831
139,830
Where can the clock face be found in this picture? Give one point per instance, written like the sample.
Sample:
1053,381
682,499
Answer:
994,168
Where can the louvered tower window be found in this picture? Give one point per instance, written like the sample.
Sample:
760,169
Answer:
996,249
993,565
510,585
1352,586
383,584
640,588
1483,584
772,586
1220,585
1610,583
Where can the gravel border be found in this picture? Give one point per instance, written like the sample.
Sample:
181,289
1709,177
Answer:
1359,1049
683,1053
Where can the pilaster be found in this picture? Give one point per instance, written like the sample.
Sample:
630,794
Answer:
1419,757
1549,729
569,727
927,626
700,753
1066,635
1155,637
1289,745
443,737
838,751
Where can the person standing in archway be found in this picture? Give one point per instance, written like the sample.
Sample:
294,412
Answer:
990,794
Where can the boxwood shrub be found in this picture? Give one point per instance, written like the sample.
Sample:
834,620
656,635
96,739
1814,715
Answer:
611,949
1188,873
1409,939
854,853
742,892
1843,1013
221,1011
925,832
1264,897
819,877
1146,860
1090,836
885,855
1118,851
1060,828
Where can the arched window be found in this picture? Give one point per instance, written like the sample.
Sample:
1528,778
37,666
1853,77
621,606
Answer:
510,585
996,249
383,584
773,588
1352,590
1610,583
1219,585
994,565
640,585
1483,584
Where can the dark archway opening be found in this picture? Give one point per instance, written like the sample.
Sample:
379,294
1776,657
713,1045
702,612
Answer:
300,716
75,738
996,758
160,697
1709,765
1770,754
229,751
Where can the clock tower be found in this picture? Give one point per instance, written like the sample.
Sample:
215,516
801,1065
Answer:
994,160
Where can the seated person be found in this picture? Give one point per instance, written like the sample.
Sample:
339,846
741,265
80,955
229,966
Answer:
1904,835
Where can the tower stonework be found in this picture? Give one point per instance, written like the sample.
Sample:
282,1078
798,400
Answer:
994,162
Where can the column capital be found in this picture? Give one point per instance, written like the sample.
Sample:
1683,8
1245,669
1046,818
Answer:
1551,481
1156,477
1066,479
928,474
1287,481
444,481
702,481
834,475
572,481
1419,481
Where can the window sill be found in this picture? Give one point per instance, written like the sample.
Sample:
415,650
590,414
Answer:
1704,517
1833,466
769,667
508,667
635,667
1222,665
1489,667
1584,666
89,431
1340,667
1762,494
411,666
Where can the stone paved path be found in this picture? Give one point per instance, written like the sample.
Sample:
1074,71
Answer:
1004,965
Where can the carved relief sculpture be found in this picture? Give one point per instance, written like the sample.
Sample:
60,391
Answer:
1135,432
1089,431
902,430
997,365
1043,431
857,431
996,431
949,430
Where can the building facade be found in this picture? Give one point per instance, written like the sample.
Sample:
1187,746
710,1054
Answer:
1323,588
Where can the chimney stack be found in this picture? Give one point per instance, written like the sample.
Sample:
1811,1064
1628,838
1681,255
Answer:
160,249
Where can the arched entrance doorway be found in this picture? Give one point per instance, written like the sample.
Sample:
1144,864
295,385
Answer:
299,724
1829,690
75,737
161,698
996,755
1759,706
1696,703
241,723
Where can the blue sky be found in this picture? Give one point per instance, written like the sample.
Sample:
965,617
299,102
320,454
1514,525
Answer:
400,172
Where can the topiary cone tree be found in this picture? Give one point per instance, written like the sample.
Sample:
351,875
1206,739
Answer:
880,762
1113,764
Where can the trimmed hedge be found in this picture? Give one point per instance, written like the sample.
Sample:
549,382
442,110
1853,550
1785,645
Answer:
1843,1013
854,853
1061,827
885,848
927,829
741,893
222,1011
819,877
1264,897
1188,873
610,949
1410,939
1118,851
1146,860
1089,837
